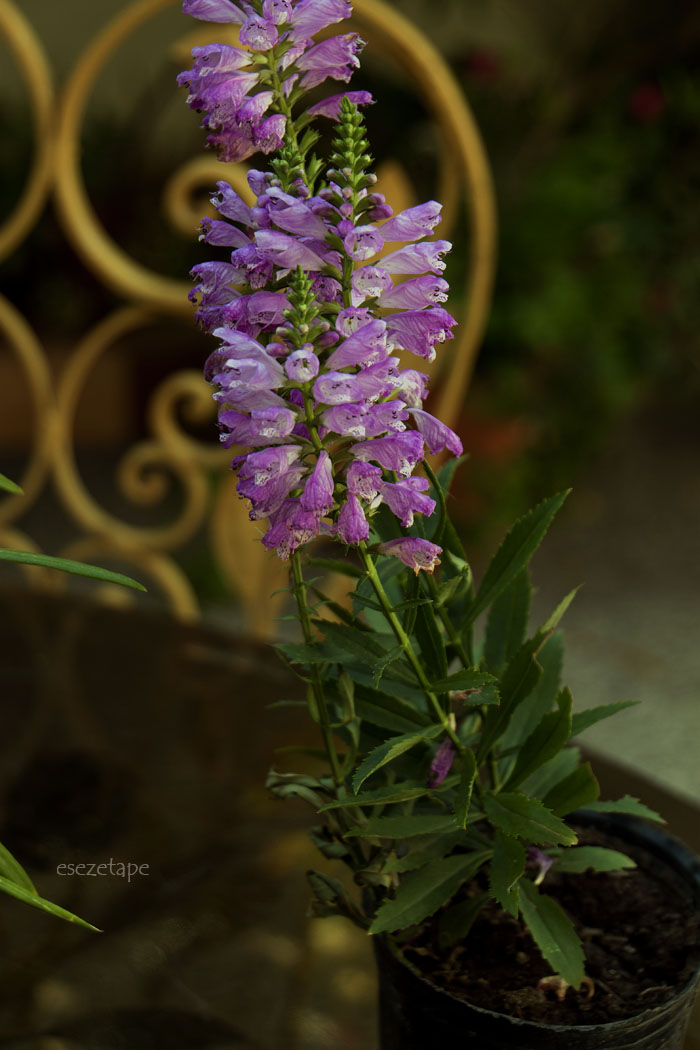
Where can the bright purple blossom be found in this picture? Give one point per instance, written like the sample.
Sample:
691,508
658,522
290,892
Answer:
337,388
352,525
330,107
362,242
318,492
420,330
415,552
442,762
539,860
302,365
259,34
417,258
412,223
213,10
415,294
437,435
335,58
399,452
363,480
404,498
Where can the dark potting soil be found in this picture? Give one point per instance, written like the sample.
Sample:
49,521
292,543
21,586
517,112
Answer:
640,935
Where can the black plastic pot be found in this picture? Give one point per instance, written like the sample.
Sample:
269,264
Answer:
415,1014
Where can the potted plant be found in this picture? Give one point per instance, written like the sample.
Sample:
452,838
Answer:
452,793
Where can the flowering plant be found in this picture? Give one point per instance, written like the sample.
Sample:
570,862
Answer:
449,776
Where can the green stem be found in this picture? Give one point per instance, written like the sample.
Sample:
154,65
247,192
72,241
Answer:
405,642
316,683
456,641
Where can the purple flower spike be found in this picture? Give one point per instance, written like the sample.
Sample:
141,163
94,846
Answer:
318,492
415,552
537,859
412,223
442,762
330,107
437,435
302,365
352,526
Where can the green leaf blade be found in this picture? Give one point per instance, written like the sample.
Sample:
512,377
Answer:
506,870
389,750
515,552
553,933
423,892
521,817
75,568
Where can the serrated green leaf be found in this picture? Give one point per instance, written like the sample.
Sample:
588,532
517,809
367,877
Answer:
342,614
303,654
553,933
541,700
21,893
75,568
423,892
431,642
7,485
527,818
515,552
451,589
583,720
579,788
626,804
382,796
466,785
387,711
382,664
577,859
519,680
507,867
456,921
552,772
389,750
466,679
11,869
402,826
507,622
422,853
546,741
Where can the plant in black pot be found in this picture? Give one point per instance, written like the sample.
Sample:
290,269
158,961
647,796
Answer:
503,916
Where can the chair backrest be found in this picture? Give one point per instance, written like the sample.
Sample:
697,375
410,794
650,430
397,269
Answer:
208,504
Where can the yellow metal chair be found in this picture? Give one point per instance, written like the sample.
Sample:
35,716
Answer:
147,296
